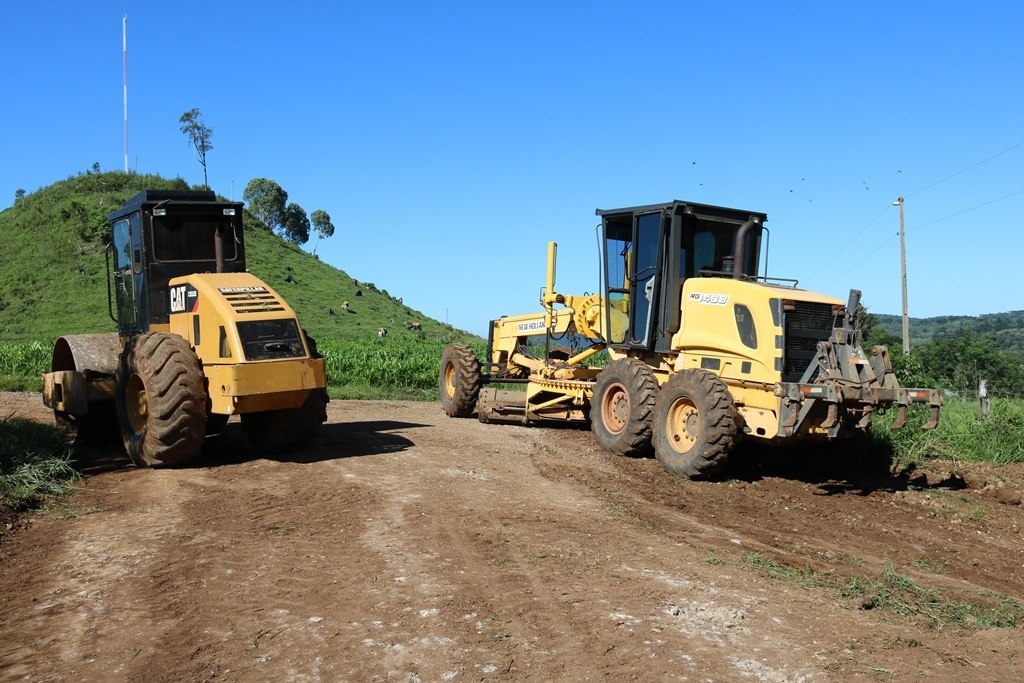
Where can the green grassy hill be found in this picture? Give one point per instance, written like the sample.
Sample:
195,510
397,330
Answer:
54,278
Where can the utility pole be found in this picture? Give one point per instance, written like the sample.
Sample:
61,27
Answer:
903,272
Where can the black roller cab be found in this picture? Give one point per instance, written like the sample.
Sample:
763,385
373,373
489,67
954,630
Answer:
161,234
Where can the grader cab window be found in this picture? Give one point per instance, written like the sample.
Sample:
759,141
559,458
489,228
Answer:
712,246
648,229
631,259
618,270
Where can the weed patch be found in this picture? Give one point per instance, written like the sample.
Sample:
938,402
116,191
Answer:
900,595
34,463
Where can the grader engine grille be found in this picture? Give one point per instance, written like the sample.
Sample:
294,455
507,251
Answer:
806,325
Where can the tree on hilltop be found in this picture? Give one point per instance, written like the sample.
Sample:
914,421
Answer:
266,200
296,224
199,136
322,225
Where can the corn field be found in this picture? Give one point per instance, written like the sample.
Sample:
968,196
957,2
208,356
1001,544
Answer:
30,359
399,362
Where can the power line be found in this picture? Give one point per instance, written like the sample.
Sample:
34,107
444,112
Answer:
916,227
851,241
842,250
964,170
959,213
857,264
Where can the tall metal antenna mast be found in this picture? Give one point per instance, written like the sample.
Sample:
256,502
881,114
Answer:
124,75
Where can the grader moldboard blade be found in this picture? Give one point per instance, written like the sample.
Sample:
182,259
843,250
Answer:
501,405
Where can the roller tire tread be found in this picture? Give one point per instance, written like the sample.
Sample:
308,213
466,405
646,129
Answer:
176,400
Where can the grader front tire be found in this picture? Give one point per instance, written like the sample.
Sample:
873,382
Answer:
622,406
160,400
695,424
459,380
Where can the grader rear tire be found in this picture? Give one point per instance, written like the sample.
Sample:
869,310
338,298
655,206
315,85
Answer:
622,405
695,424
161,400
459,380
290,427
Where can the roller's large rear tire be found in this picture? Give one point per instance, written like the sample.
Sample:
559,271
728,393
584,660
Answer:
160,400
459,380
695,424
622,406
288,428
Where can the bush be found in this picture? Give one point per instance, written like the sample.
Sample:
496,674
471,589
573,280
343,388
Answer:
963,433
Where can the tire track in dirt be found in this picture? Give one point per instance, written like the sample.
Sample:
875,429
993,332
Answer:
72,622
254,580
805,521
407,546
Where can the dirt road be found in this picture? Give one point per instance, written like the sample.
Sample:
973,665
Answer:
408,546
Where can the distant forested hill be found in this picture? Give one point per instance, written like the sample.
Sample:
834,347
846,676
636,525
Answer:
1007,327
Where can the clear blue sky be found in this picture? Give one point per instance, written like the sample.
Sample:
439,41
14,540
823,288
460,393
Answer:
449,141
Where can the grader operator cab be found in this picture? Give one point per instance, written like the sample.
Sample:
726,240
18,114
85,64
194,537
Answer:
704,350
199,339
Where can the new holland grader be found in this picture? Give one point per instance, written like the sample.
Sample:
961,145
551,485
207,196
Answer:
704,351
199,339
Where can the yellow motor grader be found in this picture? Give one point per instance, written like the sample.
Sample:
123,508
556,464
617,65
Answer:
199,339
704,351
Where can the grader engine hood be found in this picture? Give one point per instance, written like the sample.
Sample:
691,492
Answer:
750,330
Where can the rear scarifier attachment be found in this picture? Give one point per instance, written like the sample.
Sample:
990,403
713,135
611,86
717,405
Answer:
843,386
459,380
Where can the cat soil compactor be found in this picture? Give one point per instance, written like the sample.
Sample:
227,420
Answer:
704,351
199,339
